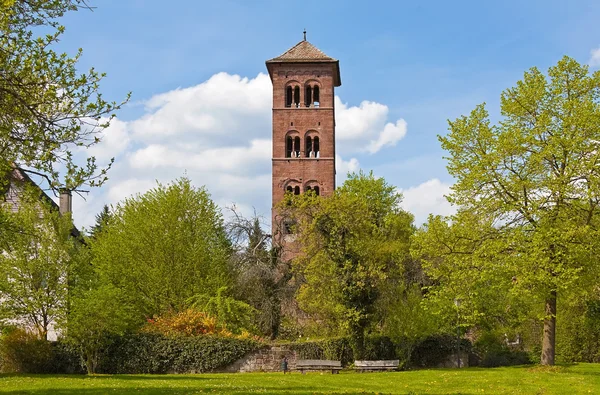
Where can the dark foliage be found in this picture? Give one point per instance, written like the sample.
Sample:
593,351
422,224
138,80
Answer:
340,349
436,350
491,351
154,353
132,354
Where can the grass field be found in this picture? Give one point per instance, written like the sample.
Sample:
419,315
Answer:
572,379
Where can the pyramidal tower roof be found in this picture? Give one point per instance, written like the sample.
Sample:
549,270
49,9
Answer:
305,52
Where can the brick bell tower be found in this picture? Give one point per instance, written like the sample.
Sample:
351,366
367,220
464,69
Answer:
303,80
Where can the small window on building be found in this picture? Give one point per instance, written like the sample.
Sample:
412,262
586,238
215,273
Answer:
308,96
316,99
317,191
296,190
297,96
289,189
316,146
309,148
289,146
296,147
288,96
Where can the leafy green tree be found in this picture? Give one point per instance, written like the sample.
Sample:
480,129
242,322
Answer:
36,266
471,275
97,315
352,241
531,181
102,219
163,248
49,109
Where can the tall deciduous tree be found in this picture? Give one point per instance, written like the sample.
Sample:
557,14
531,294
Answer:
534,177
163,248
48,109
352,242
36,266
262,279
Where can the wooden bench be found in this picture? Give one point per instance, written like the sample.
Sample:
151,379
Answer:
364,366
318,364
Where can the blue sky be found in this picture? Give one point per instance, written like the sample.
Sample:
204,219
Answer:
421,62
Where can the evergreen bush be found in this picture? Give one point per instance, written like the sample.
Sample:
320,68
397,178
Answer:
155,353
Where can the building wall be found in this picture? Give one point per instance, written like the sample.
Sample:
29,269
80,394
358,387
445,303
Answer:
302,121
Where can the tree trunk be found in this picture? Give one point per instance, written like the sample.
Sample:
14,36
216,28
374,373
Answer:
549,340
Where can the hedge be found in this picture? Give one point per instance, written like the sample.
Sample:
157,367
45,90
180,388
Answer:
132,353
155,353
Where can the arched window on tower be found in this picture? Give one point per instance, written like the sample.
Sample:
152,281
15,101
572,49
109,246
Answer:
315,97
308,151
288,96
293,188
308,96
311,149
296,153
297,96
314,189
289,146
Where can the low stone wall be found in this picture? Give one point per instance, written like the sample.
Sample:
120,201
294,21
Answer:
267,359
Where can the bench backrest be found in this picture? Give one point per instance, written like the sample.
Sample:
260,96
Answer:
318,362
385,364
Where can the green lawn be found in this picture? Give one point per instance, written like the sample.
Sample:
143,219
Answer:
573,379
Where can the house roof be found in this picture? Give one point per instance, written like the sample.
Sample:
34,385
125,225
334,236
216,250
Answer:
18,175
305,52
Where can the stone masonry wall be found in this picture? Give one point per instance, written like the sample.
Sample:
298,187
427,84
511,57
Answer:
265,360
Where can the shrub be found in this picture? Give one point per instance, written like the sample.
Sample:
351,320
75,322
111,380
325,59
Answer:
493,352
24,352
435,350
339,349
580,333
156,353
189,322
66,359
505,357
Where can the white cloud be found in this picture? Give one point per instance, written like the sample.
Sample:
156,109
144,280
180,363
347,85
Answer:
231,159
218,134
366,122
342,168
114,140
223,106
427,198
390,135
357,122
594,57
129,187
